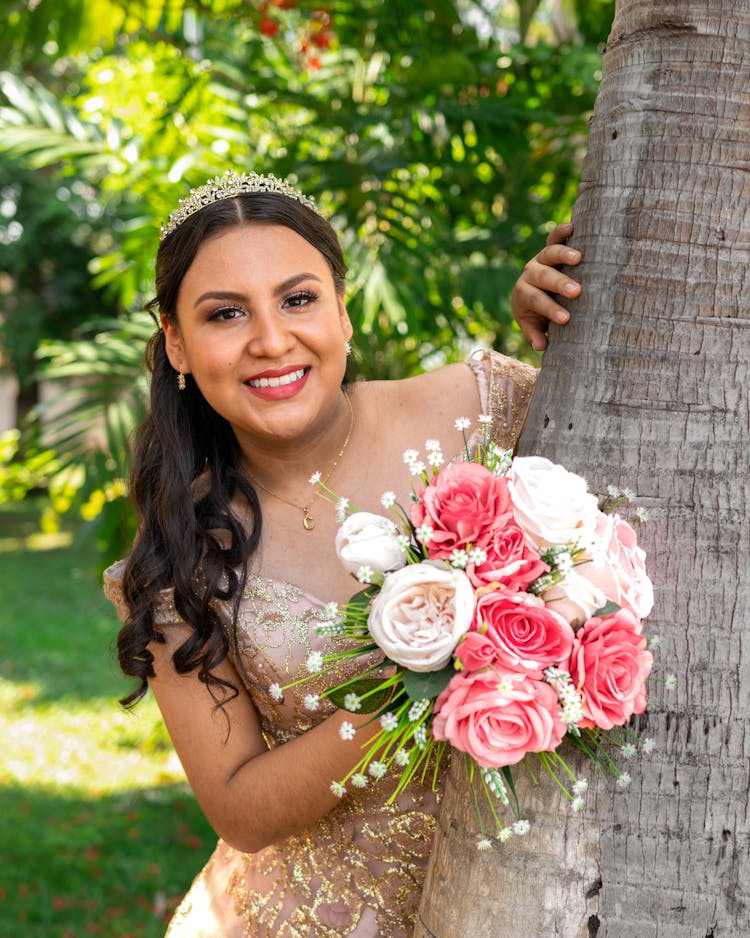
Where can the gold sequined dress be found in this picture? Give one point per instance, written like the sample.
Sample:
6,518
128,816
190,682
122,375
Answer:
359,870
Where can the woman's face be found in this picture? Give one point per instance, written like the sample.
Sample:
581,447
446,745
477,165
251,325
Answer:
262,330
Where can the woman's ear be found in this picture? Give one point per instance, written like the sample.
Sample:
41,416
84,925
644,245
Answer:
174,347
346,324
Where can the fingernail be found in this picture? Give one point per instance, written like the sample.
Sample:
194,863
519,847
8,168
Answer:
571,255
570,288
562,315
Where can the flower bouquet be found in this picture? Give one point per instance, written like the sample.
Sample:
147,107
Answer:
507,605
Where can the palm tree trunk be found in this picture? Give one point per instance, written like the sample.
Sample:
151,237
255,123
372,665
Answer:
649,388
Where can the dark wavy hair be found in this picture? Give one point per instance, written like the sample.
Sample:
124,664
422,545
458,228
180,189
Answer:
184,477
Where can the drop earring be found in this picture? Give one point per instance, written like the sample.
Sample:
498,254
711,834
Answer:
348,348
181,384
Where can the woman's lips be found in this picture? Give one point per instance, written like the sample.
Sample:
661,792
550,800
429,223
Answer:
274,387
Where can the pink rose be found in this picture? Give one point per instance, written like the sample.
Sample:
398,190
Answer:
512,560
463,504
620,570
575,598
497,718
525,635
609,666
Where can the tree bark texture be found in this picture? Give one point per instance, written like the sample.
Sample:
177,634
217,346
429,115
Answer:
649,388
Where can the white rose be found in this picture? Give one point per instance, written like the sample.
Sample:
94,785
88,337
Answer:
575,598
369,540
551,504
420,614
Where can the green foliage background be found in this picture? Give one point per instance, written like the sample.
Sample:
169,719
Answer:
442,138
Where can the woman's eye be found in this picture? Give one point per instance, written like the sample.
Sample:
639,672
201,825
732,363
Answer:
225,313
300,299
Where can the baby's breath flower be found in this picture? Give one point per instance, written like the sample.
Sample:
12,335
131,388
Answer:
521,827
366,574
424,533
331,610
624,780
485,419
576,804
388,499
505,686
346,731
276,692
670,681
463,423
377,769
359,780
338,789
642,514
330,628
505,833
431,445
342,506
484,844
417,468
613,491
420,736
314,662
352,702
477,556
401,757
564,563
627,750
580,787
629,494
459,558
403,541
389,721
654,641
418,708
311,701
648,746
435,459
315,478
410,456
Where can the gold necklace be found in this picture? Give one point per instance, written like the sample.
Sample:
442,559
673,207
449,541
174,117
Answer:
308,522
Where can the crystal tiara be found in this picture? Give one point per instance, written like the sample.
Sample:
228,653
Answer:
228,186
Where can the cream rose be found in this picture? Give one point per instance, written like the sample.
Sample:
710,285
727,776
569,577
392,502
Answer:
420,614
365,539
551,504
575,598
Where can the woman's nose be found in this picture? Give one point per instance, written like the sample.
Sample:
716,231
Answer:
269,336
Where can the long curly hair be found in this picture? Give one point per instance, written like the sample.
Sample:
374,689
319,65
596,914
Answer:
185,481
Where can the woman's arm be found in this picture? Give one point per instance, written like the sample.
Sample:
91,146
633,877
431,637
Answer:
531,301
251,796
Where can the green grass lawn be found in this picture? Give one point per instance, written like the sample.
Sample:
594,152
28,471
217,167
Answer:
99,832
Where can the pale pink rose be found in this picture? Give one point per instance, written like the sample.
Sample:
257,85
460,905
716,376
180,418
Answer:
365,539
497,718
512,560
464,503
526,635
619,566
551,504
609,667
420,613
575,598
476,650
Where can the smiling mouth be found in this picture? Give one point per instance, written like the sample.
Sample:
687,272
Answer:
279,382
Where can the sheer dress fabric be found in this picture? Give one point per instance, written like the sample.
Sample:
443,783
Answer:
359,870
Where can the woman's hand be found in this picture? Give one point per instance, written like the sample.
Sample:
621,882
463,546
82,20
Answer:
531,301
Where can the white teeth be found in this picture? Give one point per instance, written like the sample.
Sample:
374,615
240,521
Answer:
278,382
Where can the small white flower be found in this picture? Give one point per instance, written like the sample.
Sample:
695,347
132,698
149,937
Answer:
377,769
432,445
629,494
417,468
505,833
420,736
484,844
418,708
424,533
331,610
389,721
315,478
648,746
338,789
401,758
485,419
459,558
580,787
276,692
342,507
627,750
314,662
505,686
624,780
521,827
435,459
359,780
613,491
388,499
352,702
463,423
477,556
366,574
576,804
670,681
403,541
654,641
642,514
410,456
564,563
312,702
346,731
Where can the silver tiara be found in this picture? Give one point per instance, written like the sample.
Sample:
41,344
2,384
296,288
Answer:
228,186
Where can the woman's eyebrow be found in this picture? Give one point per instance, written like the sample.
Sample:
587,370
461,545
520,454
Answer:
240,297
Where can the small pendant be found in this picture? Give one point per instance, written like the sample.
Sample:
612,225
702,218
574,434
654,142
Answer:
307,523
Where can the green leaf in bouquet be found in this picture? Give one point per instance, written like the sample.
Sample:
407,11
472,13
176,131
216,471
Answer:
427,684
607,609
369,690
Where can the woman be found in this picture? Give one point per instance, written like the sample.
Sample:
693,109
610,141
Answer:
234,562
